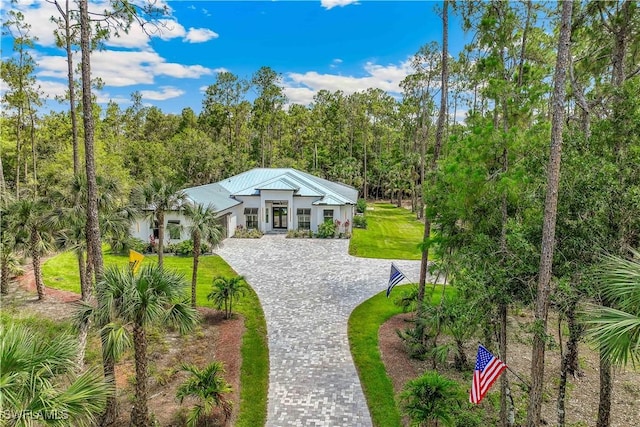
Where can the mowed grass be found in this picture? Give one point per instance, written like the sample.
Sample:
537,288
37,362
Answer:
364,324
61,272
391,233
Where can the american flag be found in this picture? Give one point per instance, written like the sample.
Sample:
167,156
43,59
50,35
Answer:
395,277
488,369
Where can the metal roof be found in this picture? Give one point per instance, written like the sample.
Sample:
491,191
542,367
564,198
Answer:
214,193
251,182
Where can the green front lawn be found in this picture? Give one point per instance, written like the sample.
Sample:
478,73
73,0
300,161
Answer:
61,272
392,233
364,323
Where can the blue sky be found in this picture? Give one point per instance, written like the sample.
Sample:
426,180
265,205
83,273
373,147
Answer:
329,44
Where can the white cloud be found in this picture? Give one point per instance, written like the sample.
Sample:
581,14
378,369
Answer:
52,89
125,68
200,35
335,63
103,97
330,4
38,14
300,87
299,95
166,92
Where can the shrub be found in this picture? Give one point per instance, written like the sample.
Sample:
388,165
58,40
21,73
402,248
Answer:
360,221
299,234
361,206
326,230
122,246
184,248
243,233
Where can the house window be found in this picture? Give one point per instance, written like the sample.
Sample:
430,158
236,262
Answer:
304,219
327,215
251,218
173,226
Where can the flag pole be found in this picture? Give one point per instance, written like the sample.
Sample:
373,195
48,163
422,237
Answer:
519,378
526,384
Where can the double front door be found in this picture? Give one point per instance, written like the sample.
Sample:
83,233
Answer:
280,217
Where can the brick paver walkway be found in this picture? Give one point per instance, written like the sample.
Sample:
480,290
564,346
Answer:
308,288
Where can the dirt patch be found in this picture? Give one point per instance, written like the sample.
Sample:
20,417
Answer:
215,339
582,393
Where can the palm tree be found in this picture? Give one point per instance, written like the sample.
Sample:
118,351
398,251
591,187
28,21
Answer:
158,197
29,223
431,399
37,378
209,387
153,296
204,228
225,291
70,222
9,261
617,330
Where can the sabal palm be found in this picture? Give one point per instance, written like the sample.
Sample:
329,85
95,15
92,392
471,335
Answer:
158,197
431,399
9,262
209,387
204,228
153,296
37,377
226,290
29,223
617,330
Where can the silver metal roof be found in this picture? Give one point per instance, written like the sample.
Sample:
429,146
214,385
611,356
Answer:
249,183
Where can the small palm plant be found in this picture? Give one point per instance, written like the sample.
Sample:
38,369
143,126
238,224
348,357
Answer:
431,399
617,329
38,379
209,388
225,291
204,228
153,296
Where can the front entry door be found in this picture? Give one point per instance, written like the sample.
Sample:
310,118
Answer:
279,217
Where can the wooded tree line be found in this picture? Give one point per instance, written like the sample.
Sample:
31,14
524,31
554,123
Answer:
481,182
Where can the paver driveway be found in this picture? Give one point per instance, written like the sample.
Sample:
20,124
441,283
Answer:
308,288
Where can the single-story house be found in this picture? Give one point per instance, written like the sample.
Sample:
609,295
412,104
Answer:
269,200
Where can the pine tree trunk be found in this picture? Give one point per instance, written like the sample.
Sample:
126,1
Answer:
35,261
549,224
4,272
92,228
83,329
424,262
196,260
140,411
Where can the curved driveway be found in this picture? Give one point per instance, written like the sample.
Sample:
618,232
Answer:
308,288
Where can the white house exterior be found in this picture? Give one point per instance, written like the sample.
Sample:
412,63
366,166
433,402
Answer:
270,200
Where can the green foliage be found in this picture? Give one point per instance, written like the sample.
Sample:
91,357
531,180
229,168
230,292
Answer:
38,377
225,291
208,386
61,272
431,399
361,206
364,323
326,230
298,234
616,329
131,243
244,233
360,221
184,248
